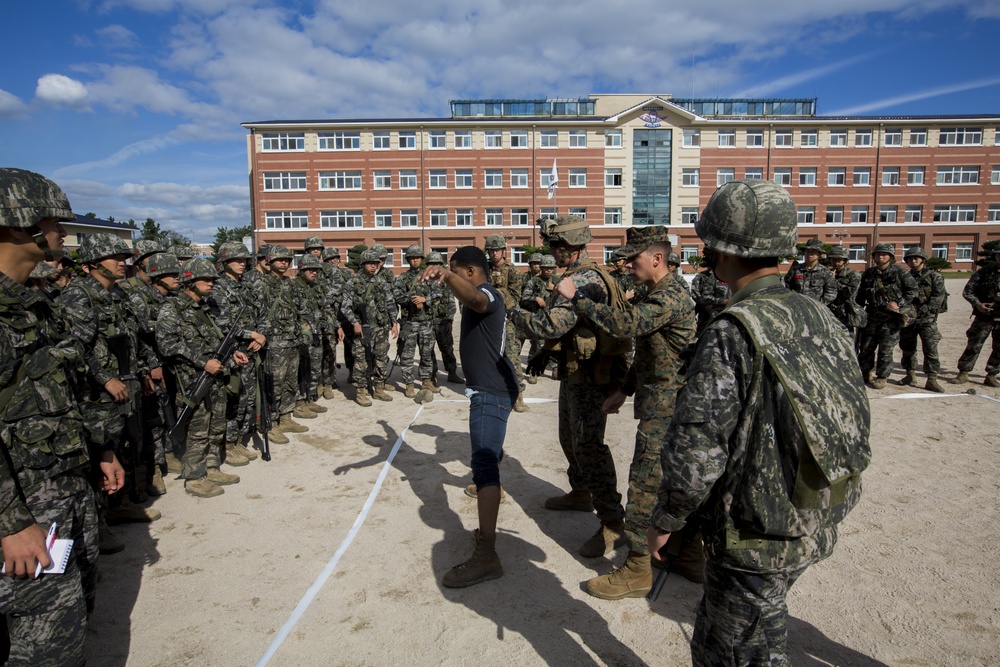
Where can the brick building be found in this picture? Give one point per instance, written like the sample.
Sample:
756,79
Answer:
623,160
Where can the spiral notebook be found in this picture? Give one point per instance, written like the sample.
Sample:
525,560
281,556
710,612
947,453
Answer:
59,553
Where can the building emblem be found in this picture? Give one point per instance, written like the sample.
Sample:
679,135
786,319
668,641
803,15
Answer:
652,116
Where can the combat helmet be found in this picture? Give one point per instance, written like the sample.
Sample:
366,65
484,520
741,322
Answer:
814,244
548,262
182,251
310,261
330,253
103,245
674,258
915,251
749,218
143,248
380,250
27,198
571,230
496,242
413,251
200,268
838,252
276,252
369,256
163,264
314,242
536,258
44,271
232,250
887,248
262,252
435,257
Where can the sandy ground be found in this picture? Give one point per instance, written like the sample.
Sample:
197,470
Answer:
912,581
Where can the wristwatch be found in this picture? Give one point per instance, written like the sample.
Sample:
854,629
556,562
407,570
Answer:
577,296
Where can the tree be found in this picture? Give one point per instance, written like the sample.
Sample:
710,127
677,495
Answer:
224,235
150,231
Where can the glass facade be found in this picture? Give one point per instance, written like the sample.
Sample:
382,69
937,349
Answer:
651,156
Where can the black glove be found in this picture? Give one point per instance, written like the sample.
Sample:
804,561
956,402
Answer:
538,361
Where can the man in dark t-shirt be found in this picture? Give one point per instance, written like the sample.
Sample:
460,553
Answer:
491,385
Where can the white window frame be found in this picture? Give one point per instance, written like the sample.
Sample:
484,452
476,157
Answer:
782,176
857,252
890,177
955,213
957,175
463,217
383,218
518,178
913,213
577,178
724,175
342,219
993,213
519,139
519,217
493,179
493,139
754,172
437,179
381,141
407,141
339,141
544,178
834,215
689,215
892,137
809,139
861,177
688,251
918,136
805,215
783,138
407,179
960,136
859,215
838,138
755,138
963,251
887,214
807,177
438,217
939,251
494,217
463,139
577,138
862,138
727,139
382,180
579,211
612,177
915,176
691,138
437,140
463,179
409,217
691,177
285,220
283,142
340,180
286,181
612,138
836,177
548,139
613,215
995,175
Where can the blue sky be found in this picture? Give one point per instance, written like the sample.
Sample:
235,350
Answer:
134,106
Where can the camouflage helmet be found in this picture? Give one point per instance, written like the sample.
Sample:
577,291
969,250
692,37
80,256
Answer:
915,251
232,250
571,230
380,250
314,242
496,242
27,197
162,264
435,257
369,256
814,244
103,245
182,251
838,252
43,271
143,248
749,218
279,252
330,253
413,251
262,252
674,258
887,248
310,261
198,269
536,258
548,262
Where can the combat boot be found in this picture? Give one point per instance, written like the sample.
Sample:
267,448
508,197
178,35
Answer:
453,376
328,392
430,386
879,383
246,452
519,405
315,407
909,378
632,580
579,501
961,378
933,384
108,542
608,537
483,566
289,425
202,488
128,512
154,482
302,412
868,377
362,398
991,380
216,476
173,463
473,492
379,393
531,379
275,436
411,390
234,458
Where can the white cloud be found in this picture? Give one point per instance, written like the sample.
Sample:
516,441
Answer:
61,90
10,104
118,36
915,96
124,154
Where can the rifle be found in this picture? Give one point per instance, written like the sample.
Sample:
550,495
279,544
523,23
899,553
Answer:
670,552
366,341
400,341
118,345
263,374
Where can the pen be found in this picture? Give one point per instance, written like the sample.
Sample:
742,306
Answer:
50,540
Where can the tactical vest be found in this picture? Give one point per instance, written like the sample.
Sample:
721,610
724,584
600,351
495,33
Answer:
501,279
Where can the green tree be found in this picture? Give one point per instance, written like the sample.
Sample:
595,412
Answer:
150,231
224,235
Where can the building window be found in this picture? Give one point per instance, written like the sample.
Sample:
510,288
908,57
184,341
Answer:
463,179
463,217
340,141
783,176
437,179
439,217
408,218
518,178
993,213
939,251
836,176
612,138
727,138
517,255
381,141
383,218
689,215
963,252
284,180
544,178
755,138
806,215
858,252
407,141
995,176
518,138
782,138
340,219
887,214
463,139
549,138
690,178
859,215
960,136
890,176
283,220
612,178
579,212
723,176
688,251
862,138
907,247
494,217
893,137
609,253
383,180
958,176
913,214
494,178
284,141
862,176
807,177
753,172
692,138
519,217
809,139
407,180
838,138
577,178
914,175
835,214
494,138
918,136
547,213
390,256
613,215
340,180
955,213
577,138
437,140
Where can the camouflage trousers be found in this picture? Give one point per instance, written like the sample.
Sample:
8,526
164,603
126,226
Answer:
285,371
443,333
47,617
241,408
154,433
581,436
644,477
380,355
206,434
981,329
742,618
513,349
414,335
328,375
927,331
881,334
310,370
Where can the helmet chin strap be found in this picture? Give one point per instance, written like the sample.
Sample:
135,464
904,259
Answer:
194,288
38,236
103,270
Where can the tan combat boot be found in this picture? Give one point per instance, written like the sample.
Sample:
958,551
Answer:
154,482
233,456
632,580
128,512
202,488
289,425
909,378
430,386
362,398
275,436
483,566
302,412
315,407
379,393
411,390
519,405
991,380
933,384
246,452
608,537
216,476
579,501
961,378
328,393
173,463
879,383
531,379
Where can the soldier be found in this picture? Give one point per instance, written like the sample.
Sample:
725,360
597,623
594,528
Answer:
507,279
674,264
444,318
313,323
590,369
621,275
534,297
812,278
416,300
188,336
384,272
931,299
339,278
44,462
983,292
769,436
662,324
182,251
886,292
534,266
845,307
254,277
709,293
368,304
44,277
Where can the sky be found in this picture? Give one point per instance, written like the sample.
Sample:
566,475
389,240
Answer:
134,106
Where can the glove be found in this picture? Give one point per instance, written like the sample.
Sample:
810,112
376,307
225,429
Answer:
592,291
538,361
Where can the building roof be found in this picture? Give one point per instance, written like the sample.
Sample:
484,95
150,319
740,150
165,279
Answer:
87,221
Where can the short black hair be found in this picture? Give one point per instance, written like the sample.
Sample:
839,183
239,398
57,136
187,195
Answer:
473,256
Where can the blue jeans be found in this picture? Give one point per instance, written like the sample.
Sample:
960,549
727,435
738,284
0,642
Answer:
488,415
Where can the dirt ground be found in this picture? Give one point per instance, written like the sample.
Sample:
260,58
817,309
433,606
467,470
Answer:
302,562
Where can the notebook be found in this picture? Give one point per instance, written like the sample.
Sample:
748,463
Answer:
59,553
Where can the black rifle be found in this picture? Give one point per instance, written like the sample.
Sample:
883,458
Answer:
130,410
265,382
670,552
366,341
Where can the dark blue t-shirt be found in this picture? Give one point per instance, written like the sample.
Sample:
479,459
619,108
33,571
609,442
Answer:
482,346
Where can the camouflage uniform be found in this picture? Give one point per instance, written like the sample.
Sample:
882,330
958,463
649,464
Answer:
535,287
930,299
817,282
285,335
417,328
444,317
983,288
333,294
710,295
878,288
507,279
844,307
311,300
368,300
